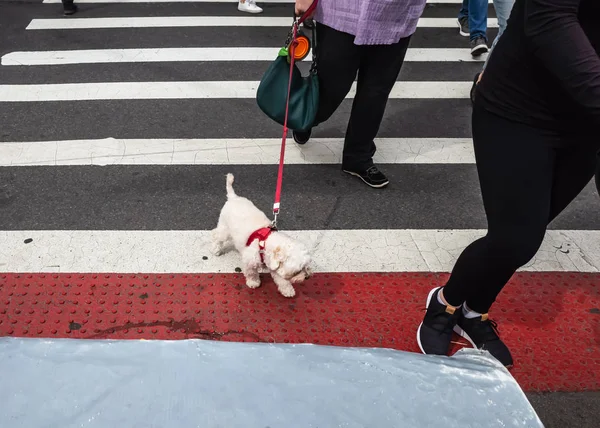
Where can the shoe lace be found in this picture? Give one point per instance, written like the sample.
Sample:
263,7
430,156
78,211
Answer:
443,321
488,330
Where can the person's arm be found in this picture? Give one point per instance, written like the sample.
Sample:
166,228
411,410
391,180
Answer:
558,41
302,6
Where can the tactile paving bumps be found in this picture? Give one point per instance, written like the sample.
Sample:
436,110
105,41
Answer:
551,322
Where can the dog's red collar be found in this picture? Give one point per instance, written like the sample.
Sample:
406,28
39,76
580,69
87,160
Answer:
261,234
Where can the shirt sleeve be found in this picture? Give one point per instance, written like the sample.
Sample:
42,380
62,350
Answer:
557,40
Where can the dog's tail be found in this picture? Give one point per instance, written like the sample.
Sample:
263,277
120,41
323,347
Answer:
229,186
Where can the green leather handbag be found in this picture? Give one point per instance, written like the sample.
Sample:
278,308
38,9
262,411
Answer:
304,91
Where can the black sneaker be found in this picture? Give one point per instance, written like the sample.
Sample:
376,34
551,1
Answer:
463,26
68,7
483,334
301,137
472,94
372,176
435,332
479,46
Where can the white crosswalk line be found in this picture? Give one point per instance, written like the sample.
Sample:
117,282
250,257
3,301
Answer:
222,1
384,250
111,151
99,56
197,90
198,21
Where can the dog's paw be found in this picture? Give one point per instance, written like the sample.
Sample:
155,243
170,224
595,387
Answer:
253,283
287,291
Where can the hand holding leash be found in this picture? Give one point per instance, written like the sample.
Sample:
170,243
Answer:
302,6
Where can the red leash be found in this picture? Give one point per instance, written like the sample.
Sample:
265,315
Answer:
293,44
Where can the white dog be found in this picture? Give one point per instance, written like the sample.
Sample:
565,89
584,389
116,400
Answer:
248,229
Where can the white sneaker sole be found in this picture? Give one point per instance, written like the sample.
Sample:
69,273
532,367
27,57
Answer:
479,50
462,33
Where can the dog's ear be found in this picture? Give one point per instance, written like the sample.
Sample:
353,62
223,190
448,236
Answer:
308,272
276,258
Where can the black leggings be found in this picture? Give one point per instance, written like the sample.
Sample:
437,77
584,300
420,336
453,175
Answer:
527,178
377,66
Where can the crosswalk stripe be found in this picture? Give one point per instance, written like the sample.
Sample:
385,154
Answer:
111,151
198,21
384,250
198,90
96,56
266,2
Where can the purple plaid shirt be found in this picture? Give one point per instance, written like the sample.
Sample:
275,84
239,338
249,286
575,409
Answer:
372,22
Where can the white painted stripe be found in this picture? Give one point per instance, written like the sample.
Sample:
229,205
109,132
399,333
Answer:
202,1
332,250
196,90
198,21
112,151
265,2
97,56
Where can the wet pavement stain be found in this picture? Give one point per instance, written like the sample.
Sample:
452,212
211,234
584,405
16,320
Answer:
190,327
74,326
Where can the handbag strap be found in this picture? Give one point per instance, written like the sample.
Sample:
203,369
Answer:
310,10
315,53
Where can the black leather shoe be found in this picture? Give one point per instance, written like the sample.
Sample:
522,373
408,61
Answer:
69,8
301,137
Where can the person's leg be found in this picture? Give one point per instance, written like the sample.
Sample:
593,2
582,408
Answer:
463,19
69,8
379,69
503,9
338,59
598,172
478,15
573,168
515,166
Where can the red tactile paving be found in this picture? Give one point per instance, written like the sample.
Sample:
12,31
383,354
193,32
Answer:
551,322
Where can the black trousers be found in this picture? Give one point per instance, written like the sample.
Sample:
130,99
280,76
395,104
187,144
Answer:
378,66
527,178
598,172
